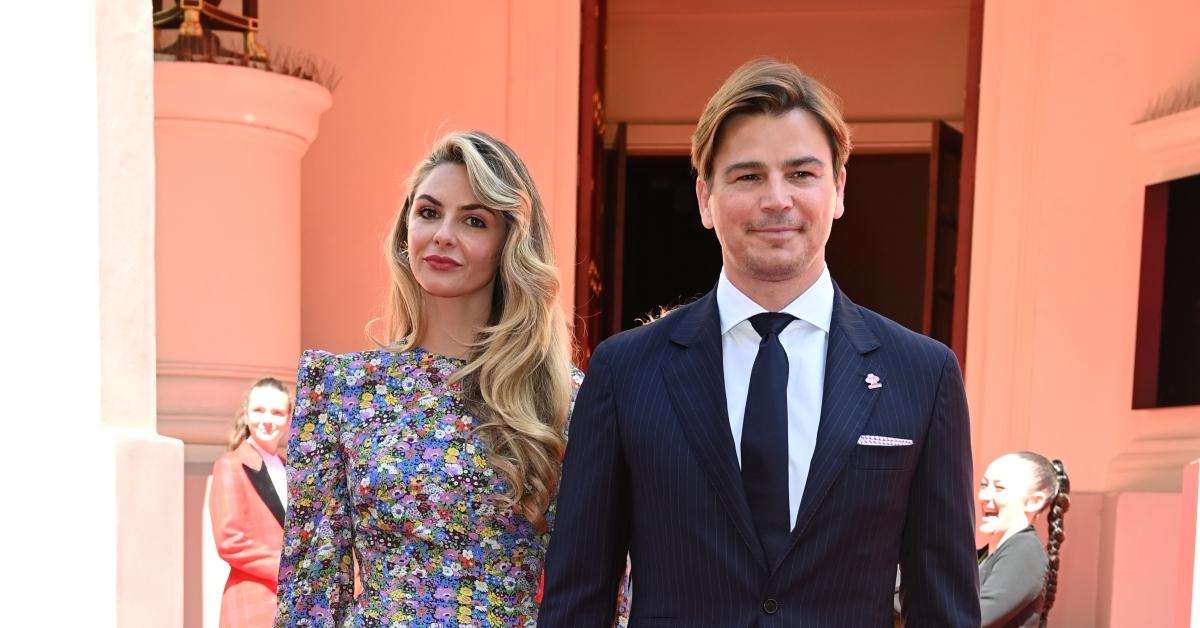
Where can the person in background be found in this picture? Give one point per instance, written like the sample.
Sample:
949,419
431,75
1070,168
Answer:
435,458
247,504
1018,580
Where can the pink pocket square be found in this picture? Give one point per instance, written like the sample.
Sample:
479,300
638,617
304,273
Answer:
883,441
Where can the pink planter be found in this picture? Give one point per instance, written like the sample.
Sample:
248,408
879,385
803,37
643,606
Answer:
228,144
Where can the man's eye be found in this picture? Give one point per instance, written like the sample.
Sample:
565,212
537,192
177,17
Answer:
748,177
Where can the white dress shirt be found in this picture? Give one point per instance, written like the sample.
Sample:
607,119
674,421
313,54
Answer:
276,471
805,342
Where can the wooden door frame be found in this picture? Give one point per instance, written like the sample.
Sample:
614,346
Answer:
966,185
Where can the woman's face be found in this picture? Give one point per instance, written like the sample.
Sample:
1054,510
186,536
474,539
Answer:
454,241
1007,498
267,413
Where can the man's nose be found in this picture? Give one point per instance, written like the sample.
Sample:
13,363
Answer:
776,196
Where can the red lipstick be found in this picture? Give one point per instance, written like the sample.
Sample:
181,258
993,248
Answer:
438,262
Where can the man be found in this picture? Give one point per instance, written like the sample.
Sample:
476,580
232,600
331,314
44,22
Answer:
769,453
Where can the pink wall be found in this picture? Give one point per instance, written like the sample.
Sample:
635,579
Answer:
903,63
1057,239
412,71
1054,283
1145,539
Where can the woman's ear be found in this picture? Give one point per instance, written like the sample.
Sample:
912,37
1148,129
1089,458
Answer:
1036,502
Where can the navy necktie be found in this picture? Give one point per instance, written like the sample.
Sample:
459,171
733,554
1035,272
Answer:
765,436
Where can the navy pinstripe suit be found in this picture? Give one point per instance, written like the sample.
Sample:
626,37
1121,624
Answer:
651,469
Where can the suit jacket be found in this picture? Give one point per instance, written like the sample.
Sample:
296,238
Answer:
1011,582
650,469
247,521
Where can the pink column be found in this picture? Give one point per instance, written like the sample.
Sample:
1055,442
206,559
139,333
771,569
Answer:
1187,611
228,144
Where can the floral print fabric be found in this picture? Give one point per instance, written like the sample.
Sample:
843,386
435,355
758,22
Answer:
382,457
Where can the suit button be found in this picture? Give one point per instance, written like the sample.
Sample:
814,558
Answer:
770,606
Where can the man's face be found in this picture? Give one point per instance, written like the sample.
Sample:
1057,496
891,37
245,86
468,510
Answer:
773,197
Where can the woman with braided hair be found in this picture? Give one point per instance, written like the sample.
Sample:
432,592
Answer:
1018,580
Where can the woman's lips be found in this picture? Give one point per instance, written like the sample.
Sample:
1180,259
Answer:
437,262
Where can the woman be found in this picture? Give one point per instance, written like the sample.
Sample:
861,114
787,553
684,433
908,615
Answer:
436,458
1017,579
247,504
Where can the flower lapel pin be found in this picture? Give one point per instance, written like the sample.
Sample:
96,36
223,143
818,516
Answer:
873,381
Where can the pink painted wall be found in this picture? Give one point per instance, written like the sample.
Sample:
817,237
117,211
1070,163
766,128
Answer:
906,61
412,71
1057,239
1145,539
1054,283
1187,610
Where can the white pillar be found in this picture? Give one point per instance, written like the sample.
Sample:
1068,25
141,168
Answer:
94,494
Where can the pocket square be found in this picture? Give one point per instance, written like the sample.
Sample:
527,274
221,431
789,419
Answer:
883,441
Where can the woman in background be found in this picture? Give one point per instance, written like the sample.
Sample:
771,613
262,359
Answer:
435,458
1018,580
247,504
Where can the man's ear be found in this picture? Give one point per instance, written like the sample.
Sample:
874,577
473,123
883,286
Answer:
841,194
702,197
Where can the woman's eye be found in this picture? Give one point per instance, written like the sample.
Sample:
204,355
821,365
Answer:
476,221
427,212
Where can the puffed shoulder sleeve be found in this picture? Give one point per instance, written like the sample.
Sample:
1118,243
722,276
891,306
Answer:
316,583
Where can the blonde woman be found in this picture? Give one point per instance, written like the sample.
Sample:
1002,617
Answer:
436,457
247,505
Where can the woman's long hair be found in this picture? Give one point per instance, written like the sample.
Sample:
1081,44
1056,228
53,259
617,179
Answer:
241,431
517,378
1051,476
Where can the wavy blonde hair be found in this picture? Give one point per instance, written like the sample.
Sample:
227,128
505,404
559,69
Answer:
517,378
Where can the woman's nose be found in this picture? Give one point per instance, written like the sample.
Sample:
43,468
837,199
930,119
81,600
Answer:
444,236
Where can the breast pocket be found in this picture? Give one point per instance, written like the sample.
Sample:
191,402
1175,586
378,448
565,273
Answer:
879,457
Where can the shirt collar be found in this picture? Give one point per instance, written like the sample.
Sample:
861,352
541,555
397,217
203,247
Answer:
814,306
269,459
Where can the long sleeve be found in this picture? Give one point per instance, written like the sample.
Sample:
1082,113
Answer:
937,558
237,540
1014,582
316,569
589,543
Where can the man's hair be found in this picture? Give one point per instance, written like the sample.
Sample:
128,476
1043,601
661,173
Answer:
770,87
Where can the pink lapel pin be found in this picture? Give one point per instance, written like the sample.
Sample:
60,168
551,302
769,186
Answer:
873,381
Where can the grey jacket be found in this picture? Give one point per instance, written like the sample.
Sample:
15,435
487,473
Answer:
1011,582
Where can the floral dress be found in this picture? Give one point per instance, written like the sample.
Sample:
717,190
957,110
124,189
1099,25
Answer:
383,460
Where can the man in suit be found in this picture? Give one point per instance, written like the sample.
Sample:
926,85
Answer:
769,453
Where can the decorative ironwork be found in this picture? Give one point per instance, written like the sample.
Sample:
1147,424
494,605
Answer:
196,20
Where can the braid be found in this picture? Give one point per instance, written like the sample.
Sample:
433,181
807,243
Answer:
1054,523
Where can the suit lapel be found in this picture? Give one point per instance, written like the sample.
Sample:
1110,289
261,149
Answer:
845,406
260,479
696,384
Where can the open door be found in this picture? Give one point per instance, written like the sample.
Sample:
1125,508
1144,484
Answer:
590,257
945,166
613,274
